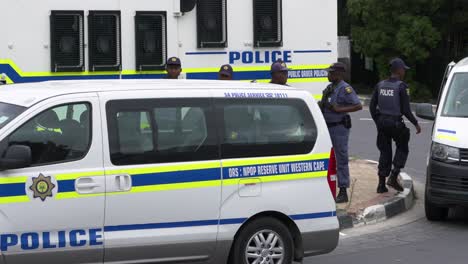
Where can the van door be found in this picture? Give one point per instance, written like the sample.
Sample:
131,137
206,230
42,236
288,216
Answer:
53,210
163,177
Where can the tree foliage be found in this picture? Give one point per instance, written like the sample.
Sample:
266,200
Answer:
383,29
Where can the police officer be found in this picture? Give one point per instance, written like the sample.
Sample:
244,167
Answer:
173,68
279,73
389,103
339,99
225,72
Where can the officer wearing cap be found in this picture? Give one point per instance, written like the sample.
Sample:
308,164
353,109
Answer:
339,99
173,68
225,72
279,73
390,101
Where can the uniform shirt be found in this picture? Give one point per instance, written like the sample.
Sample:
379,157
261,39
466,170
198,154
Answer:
390,97
343,95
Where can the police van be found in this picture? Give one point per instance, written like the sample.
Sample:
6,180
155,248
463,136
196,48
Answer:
117,39
447,170
148,171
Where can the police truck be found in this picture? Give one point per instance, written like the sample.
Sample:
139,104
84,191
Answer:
116,39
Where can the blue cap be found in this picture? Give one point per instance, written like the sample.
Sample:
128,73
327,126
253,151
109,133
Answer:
226,70
398,63
174,61
279,66
337,67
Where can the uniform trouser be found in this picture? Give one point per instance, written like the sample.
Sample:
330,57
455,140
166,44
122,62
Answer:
340,136
389,130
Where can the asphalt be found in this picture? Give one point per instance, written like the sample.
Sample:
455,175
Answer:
363,139
409,237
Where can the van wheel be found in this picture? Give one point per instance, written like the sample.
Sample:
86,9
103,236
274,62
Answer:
435,213
263,241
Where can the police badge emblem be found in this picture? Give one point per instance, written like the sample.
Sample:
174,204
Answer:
42,187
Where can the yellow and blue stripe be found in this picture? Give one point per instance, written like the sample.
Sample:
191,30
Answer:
172,177
259,73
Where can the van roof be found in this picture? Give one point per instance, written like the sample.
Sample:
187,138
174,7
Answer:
28,94
462,66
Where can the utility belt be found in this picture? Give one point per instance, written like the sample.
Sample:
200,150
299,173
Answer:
346,122
389,121
391,117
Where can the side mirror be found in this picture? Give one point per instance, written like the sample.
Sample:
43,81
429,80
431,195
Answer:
425,111
16,157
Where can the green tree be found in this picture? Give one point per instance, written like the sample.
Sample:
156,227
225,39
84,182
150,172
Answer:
383,29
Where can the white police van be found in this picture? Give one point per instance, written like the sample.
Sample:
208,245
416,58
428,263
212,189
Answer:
447,171
143,171
121,39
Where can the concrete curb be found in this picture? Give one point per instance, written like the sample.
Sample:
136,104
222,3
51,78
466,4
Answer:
379,213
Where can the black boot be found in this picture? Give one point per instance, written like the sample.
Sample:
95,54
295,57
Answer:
393,180
342,196
381,188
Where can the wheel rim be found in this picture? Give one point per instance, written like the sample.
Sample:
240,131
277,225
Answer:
265,247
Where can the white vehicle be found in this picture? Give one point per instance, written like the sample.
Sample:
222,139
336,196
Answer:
140,171
117,39
447,171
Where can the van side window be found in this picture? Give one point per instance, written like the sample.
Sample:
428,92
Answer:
135,132
161,131
255,128
59,134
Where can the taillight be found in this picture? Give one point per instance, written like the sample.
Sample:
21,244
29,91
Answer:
331,176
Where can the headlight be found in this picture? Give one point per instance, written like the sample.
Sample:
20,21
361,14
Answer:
445,153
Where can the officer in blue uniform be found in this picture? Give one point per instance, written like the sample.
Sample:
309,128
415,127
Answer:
389,103
173,68
339,99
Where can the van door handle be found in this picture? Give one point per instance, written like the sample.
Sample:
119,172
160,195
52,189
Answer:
86,185
124,182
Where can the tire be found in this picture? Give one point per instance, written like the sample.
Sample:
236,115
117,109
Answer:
261,235
434,212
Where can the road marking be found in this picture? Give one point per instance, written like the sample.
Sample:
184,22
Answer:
343,234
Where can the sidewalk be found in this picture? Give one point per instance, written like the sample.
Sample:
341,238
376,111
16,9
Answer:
365,204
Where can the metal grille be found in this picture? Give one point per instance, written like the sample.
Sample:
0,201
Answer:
211,23
150,35
268,25
104,41
464,157
67,41
448,182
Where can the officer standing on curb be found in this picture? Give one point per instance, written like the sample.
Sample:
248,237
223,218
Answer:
389,103
279,73
225,73
173,68
339,99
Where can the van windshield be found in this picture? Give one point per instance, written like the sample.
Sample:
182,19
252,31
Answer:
456,103
8,112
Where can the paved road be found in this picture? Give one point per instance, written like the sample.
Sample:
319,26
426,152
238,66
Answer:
408,238
363,143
